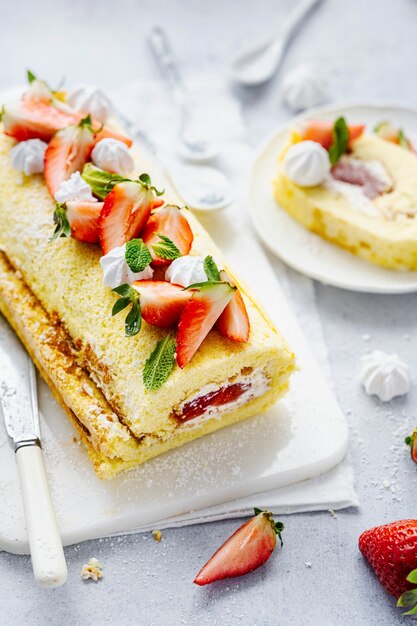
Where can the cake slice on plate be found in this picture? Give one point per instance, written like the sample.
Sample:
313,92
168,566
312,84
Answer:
144,335
353,188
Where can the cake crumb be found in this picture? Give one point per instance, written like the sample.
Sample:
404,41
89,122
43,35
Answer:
91,570
308,564
332,513
157,535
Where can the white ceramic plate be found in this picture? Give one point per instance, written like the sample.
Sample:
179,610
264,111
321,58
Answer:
299,248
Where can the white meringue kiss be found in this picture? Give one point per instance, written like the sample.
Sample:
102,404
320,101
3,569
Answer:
304,86
28,156
113,156
186,270
75,188
117,272
88,99
307,164
384,375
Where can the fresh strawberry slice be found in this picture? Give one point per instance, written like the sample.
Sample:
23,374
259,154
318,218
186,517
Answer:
171,222
161,302
125,212
234,321
68,152
249,548
35,119
83,218
321,131
199,316
107,132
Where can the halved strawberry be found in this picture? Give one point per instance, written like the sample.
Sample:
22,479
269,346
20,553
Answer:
234,321
249,548
171,222
68,152
83,218
161,302
199,316
125,212
35,119
321,131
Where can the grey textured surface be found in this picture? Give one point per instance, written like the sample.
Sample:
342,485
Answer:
369,50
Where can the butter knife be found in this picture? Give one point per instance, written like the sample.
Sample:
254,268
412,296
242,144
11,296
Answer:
19,407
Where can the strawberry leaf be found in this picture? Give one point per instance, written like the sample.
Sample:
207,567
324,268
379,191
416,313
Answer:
340,140
409,598
166,248
412,577
160,363
211,269
137,255
145,180
62,225
30,76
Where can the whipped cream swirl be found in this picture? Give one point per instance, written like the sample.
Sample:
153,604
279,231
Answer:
304,86
186,270
88,99
75,188
113,156
384,375
117,272
28,156
307,164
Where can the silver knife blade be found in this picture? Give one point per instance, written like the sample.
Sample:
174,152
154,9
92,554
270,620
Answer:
18,392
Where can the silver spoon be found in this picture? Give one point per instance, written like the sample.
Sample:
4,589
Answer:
193,145
258,65
202,188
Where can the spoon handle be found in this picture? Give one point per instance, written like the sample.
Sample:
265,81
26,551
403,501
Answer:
164,55
300,11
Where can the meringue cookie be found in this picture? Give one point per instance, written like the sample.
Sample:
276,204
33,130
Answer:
28,156
75,188
186,270
88,99
307,163
113,156
304,86
117,272
384,375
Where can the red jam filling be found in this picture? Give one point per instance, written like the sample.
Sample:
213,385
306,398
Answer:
356,173
224,395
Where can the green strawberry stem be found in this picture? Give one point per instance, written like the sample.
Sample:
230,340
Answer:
277,526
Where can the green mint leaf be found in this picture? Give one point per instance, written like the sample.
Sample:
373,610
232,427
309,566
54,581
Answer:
211,269
62,225
133,321
123,290
145,180
101,182
119,305
412,577
340,140
137,255
160,363
30,76
166,249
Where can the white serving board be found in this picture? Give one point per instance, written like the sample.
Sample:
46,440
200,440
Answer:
303,250
303,436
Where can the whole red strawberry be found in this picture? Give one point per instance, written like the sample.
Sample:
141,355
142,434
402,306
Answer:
392,552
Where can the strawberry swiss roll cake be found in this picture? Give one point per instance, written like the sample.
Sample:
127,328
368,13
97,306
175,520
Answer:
354,188
143,333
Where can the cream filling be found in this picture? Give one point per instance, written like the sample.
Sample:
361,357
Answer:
259,385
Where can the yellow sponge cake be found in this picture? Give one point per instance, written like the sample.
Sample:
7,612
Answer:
195,351
366,200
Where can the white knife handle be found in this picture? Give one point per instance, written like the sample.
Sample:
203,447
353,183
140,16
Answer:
48,559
